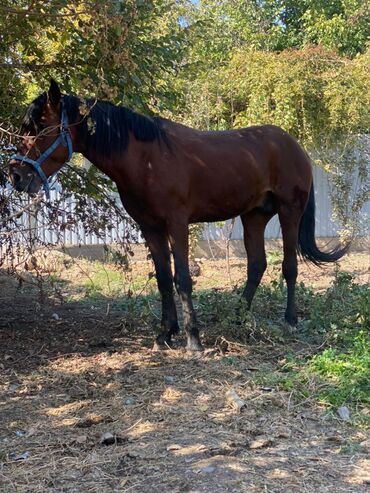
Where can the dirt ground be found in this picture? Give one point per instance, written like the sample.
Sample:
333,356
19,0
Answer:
72,372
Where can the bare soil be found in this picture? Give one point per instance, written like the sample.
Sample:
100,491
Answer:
71,372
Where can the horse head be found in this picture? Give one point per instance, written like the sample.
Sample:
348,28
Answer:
45,145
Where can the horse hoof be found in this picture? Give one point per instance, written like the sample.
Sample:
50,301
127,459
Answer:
290,328
291,320
161,344
194,346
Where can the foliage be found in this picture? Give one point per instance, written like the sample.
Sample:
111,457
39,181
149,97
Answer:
195,234
335,325
313,94
92,47
85,204
345,373
343,313
214,64
219,27
340,25
348,165
317,96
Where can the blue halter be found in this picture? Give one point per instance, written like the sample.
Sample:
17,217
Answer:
63,138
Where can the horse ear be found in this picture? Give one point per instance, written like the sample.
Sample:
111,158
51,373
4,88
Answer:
54,94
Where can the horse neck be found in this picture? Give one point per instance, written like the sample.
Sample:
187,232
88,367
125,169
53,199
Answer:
82,145
121,167
101,162
122,163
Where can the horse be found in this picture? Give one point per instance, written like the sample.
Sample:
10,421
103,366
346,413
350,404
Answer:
169,175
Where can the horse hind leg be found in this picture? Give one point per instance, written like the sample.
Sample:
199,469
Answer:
290,217
254,224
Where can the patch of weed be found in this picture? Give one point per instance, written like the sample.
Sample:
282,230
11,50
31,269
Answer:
346,372
224,313
336,323
342,311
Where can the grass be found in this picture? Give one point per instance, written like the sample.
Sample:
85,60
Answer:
342,316
346,372
335,370
334,327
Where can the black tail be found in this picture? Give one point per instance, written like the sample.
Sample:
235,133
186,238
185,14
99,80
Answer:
307,247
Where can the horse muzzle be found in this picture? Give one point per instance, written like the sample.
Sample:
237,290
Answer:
24,179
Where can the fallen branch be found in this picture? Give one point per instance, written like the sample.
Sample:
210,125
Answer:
19,213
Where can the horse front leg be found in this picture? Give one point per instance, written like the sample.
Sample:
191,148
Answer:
158,245
179,240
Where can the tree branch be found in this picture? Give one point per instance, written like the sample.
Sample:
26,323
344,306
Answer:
33,13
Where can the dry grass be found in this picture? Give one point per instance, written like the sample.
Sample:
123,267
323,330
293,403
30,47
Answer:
66,382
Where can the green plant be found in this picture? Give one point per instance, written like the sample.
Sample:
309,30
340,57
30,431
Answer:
336,371
195,234
345,373
342,312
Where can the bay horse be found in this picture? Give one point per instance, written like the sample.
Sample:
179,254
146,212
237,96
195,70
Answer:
169,175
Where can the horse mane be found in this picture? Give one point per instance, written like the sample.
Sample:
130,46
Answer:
30,123
106,128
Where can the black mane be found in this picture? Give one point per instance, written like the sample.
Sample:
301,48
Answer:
31,120
106,127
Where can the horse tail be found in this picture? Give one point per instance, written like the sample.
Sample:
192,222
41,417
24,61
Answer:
307,247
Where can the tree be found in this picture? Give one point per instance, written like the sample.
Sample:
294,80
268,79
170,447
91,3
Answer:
117,50
123,51
221,26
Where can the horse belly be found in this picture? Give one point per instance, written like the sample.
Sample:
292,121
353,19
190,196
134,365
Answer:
231,181
214,205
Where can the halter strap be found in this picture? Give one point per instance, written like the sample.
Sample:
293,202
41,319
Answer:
63,138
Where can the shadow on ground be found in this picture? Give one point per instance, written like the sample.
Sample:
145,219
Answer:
71,373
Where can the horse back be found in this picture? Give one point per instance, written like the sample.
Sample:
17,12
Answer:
222,174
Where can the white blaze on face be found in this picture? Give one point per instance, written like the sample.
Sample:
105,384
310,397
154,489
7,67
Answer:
150,166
